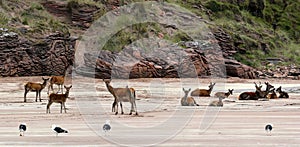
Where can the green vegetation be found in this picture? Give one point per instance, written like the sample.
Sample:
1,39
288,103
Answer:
256,31
260,28
31,14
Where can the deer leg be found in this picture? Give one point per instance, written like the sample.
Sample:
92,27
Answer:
36,95
117,108
65,107
48,107
48,89
25,94
40,96
136,113
122,112
131,110
61,105
113,106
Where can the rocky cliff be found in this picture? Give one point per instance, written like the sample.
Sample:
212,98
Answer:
52,55
239,36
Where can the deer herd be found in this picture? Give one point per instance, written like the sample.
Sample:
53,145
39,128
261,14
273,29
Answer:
127,94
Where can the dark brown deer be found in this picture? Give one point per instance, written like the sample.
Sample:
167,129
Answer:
257,94
35,87
263,94
203,92
282,94
188,101
58,98
272,94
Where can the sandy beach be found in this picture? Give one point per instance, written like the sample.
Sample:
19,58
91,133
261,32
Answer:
161,120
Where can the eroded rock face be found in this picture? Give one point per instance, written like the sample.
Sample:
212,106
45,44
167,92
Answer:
166,62
51,55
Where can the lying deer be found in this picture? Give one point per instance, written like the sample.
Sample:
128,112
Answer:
37,87
224,94
218,103
250,95
58,80
272,95
263,94
58,98
188,101
122,95
203,92
257,94
282,94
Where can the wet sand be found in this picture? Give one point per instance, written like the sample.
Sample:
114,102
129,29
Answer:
161,120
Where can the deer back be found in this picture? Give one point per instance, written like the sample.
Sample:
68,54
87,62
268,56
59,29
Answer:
53,97
124,94
33,86
59,80
272,95
216,103
200,92
248,96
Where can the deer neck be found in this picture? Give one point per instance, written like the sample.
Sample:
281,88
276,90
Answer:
210,89
67,93
109,88
227,94
220,99
185,95
44,84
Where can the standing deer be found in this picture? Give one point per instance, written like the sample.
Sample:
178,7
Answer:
224,94
122,95
188,101
35,87
58,80
113,109
282,94
203,92
58,98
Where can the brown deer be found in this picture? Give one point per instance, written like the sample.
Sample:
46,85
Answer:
272,94
263,94
257,94
113,109
35,87
224,94
282,94
188,101
58,80
218,103
203,92
58,98
251,95
122,95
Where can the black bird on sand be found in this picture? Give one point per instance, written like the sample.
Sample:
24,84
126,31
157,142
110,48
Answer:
58,129
106,126
22,128
269,128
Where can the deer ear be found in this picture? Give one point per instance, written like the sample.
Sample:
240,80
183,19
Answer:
190,89
71,86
